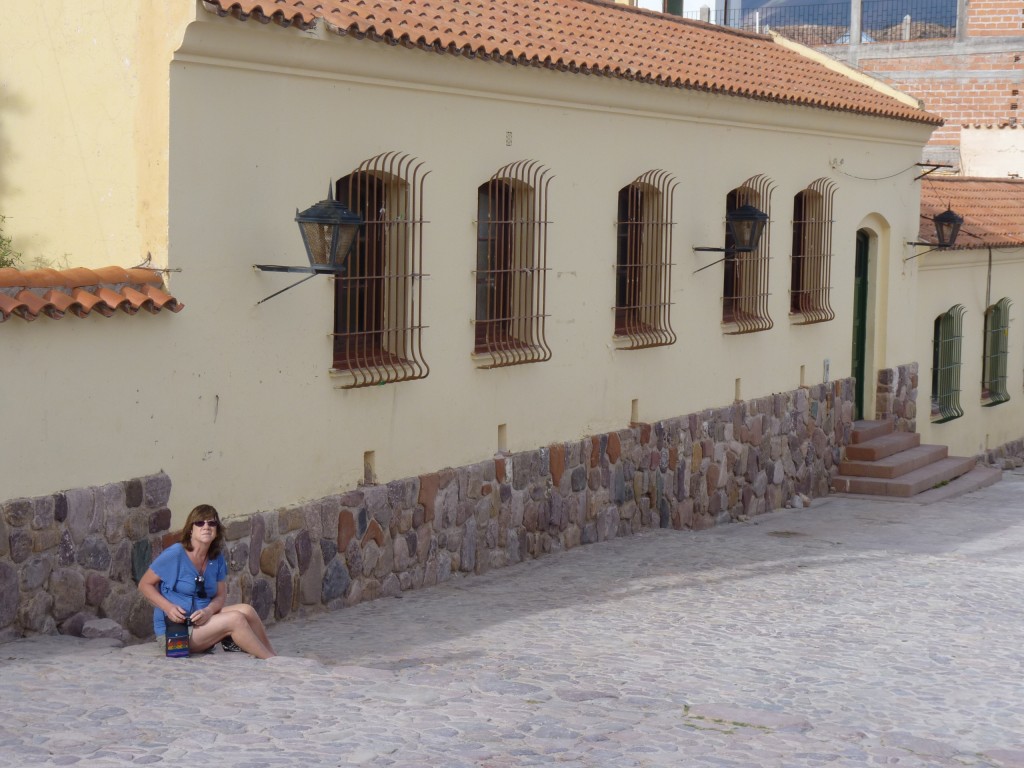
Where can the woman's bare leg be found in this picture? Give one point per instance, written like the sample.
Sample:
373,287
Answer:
232,623
254,621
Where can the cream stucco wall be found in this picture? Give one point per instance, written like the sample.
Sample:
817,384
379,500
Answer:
992,152
235,401
83,128
961,277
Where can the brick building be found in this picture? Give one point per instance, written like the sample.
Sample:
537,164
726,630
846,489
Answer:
972,80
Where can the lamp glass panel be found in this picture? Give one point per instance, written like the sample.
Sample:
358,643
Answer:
344,238
741,230
317,238
947,227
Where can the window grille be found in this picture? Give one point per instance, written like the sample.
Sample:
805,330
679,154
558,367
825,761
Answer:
745,284
946,343
511,267
643,266
811,266
996,348
378,297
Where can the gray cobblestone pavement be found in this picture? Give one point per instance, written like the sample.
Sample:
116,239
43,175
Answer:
851,633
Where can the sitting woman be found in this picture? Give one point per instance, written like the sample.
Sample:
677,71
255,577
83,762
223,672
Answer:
187,581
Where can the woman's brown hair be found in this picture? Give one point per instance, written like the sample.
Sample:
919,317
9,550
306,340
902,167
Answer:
203,512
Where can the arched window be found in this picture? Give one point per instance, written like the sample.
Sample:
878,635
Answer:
378,297
946,342
745,283
511,267
643,262
994,354
811,267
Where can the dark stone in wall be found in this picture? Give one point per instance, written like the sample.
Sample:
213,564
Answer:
18,512
160,520
133,493
20,545
256,545
10,594
328,548
303,550
94,553
65,549
336,581
60,507
283,600
142,556
262,597
156,490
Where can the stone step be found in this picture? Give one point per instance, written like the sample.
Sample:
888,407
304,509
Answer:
910,484
897,464
979,477
865,430
880,447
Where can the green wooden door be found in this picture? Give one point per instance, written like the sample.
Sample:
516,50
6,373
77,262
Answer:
860,328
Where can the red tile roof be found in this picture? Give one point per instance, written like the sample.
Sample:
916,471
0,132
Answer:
81,291
592,37
993,209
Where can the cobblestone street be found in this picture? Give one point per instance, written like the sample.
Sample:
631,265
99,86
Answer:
854,632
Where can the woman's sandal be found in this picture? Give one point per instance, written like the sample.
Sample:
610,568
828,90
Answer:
229,645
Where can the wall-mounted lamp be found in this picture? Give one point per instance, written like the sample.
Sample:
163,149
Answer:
947,227
329,230
745,225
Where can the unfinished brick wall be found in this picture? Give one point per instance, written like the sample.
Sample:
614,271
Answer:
979,89
995,18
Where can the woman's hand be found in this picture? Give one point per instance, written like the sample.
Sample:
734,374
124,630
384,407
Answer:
176,614
200,617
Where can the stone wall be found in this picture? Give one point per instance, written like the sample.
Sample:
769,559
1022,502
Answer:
896,397
69,562
1007,456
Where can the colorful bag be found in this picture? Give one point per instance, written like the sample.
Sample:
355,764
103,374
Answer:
177,639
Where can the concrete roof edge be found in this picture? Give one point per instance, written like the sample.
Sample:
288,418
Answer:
846,69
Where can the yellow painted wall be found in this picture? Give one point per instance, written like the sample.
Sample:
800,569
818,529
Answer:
83,128
235,401
961,277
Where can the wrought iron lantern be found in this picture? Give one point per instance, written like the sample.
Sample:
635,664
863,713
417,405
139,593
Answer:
745,226
329,232
947,228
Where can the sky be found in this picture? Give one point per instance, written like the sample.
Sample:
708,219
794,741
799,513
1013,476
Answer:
689,6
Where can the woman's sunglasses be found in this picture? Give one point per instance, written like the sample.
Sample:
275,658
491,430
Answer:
204,523
200,587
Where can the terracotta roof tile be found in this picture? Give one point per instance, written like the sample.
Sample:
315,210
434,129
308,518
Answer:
592,37
54,293
993,209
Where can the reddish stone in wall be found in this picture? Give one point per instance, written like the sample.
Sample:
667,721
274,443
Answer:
556,460
346,529
645,434
429,485
374,532
614,447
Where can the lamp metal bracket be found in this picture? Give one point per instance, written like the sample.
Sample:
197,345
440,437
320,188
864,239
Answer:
726,251
932,168
310,273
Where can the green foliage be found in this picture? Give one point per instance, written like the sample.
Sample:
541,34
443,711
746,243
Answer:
8,256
